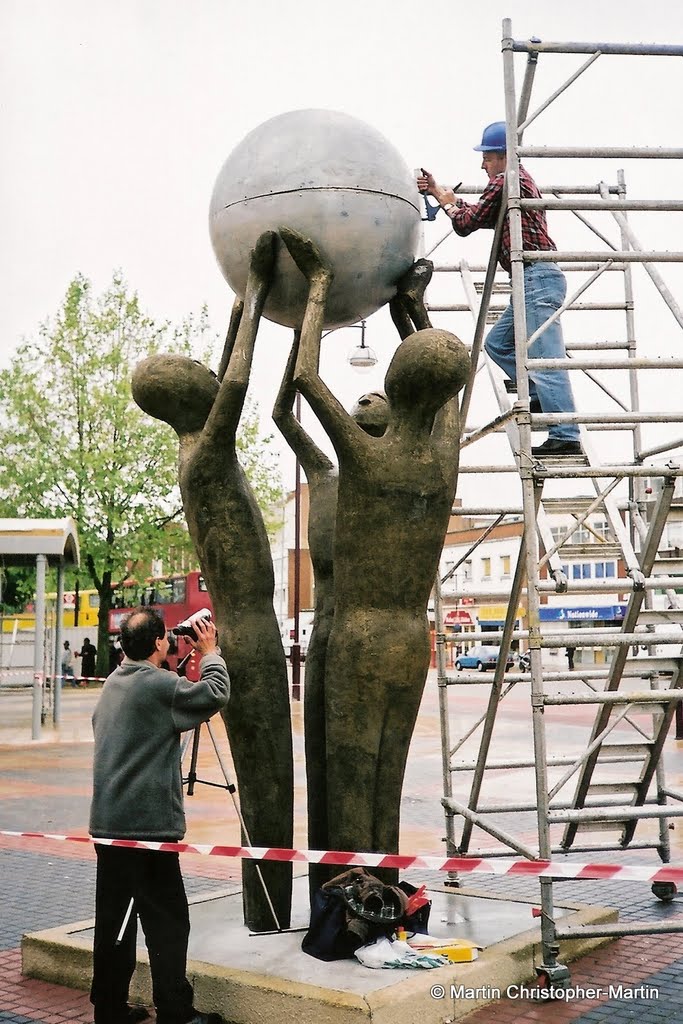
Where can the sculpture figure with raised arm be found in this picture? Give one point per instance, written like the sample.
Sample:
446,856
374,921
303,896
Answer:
395,495
322,476
227,529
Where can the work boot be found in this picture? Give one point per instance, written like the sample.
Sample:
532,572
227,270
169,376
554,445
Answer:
556,447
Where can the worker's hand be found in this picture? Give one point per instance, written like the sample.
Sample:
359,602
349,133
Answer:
426,183
206,637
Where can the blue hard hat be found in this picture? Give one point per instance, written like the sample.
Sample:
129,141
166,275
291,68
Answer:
493,138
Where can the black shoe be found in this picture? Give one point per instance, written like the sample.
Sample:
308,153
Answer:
131,1015
135,1014
535,405
555,446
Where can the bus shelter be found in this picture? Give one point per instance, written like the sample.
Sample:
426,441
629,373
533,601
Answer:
43,543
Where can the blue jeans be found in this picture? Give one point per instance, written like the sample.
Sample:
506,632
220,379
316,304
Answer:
544,290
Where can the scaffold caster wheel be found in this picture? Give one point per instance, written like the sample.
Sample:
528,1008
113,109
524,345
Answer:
664,891
557,977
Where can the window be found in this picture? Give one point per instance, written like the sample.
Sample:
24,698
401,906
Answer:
601,526
505,565
605,570
467,570
179,591
202,585
486,568
581,571
94,600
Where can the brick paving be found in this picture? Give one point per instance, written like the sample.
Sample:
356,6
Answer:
45,786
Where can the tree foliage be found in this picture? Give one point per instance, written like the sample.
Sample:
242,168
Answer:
73,442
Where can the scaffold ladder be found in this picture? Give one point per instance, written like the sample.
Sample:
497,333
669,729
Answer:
636,529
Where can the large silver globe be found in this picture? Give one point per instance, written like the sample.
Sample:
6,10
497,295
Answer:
334,179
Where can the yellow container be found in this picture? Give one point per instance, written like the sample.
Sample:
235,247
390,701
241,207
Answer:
457,952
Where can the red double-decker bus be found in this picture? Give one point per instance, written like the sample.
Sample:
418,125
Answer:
175,597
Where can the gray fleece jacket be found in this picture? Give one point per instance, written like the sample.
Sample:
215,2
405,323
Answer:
137,784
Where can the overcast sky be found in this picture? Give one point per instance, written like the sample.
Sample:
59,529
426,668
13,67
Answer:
115,119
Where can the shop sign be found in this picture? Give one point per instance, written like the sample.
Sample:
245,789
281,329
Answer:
602,613
497,613
455,617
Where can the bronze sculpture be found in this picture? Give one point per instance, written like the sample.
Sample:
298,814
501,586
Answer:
394,501
322,476
227,529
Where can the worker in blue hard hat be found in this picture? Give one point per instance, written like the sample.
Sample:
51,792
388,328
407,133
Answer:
545,287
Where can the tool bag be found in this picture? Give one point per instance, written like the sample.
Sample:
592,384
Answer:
355,908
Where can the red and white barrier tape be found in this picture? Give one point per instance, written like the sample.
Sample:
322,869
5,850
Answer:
475,865
40,677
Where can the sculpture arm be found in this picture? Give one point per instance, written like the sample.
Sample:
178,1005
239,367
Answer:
446,436
399,315
310,456
342,430
235,317
225,415
407,308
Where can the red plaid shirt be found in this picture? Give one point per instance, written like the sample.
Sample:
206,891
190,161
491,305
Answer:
484,214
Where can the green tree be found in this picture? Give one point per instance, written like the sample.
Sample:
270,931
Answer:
73,442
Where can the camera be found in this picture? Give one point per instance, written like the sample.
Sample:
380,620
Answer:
186,627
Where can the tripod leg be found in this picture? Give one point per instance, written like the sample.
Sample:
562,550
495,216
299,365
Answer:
232,790
192,773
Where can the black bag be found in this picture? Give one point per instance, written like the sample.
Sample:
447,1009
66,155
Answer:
349,911
419,921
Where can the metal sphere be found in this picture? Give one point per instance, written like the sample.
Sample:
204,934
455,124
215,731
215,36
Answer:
337,181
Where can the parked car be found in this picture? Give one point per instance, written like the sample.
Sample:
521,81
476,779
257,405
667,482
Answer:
481,658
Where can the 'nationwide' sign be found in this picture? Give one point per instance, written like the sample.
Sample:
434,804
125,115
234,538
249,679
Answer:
605,612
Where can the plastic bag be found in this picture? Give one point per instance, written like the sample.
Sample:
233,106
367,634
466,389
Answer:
387,953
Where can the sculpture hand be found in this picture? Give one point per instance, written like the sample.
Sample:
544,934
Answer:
307,256
263,255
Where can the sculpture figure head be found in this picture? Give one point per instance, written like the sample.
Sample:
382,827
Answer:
371,412
178,390
427,369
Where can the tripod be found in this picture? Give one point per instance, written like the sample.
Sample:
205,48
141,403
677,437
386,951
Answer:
192,779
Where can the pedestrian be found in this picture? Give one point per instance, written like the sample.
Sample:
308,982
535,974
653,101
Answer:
87,654
115,655
137,794
68,664
570,651
545,288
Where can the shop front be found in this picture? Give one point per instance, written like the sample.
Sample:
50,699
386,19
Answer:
456,622
598,617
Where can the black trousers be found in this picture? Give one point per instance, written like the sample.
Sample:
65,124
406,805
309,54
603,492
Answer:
155,883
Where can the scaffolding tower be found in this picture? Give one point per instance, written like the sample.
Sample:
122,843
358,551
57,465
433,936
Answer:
618,779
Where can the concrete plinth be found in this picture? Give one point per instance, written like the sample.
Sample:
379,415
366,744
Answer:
257,979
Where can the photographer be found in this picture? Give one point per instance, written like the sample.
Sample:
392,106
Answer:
137,794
